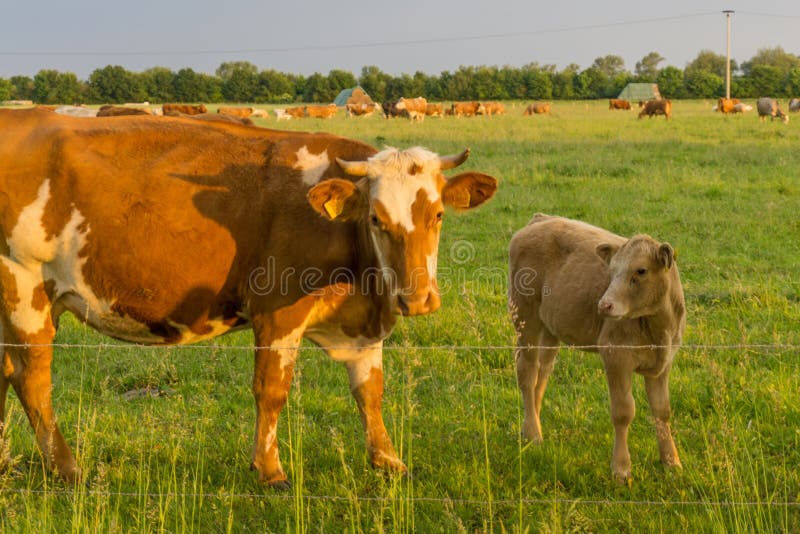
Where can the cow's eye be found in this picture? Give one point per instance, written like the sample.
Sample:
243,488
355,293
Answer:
641,272
374,220
439,215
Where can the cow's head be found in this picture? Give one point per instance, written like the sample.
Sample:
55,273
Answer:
400,204
641,273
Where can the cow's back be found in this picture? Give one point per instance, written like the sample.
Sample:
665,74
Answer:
162,221
556,274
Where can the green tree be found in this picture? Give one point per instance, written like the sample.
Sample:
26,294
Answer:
670,82
703,84
5,89
773,57
767,80
318,89
53,87
708,61
22,88
274,86
792,82
647,67
338,80
374,81
159,83
513,82
113,84
538,82
610,66
564,82
227,69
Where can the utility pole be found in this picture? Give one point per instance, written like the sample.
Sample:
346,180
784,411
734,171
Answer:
728,13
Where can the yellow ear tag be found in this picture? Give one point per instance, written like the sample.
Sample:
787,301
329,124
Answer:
334,207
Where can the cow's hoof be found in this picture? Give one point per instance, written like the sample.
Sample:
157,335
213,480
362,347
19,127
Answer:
280,485
623,478
390,464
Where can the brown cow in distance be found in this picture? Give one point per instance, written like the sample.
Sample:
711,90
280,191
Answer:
656,107
415,107
241,113
298,112
727,105
573,282
321,112
618,103
175,231
467,109
117,111
185,109
537,109
434,110
493,108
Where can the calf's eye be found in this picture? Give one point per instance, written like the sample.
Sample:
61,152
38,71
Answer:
641,272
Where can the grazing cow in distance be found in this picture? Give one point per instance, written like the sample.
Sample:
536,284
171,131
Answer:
493,108
415,107
321,111
217,117
361,109
260,113
741,108
434,110
794,105
390,110
727,105
185,109
618,103
281,115
768,107
117,111
537,109
241,113
573,282
467,109
174,232
657,107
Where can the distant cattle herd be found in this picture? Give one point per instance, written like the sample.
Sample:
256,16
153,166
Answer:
413,109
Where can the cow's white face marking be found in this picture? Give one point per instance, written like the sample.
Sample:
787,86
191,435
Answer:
396,188
313,166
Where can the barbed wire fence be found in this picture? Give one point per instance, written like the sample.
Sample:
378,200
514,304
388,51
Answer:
445,500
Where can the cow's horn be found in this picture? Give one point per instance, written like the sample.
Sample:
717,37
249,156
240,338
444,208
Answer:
454,160
353,168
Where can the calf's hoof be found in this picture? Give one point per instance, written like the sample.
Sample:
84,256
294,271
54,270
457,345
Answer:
277,480
388,463
623,477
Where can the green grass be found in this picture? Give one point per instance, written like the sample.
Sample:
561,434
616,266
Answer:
724,191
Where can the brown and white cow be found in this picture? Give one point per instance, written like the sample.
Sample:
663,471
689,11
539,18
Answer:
361,109
297,112
185,109
415,107
768,107
573,282
727,105
618,103
175,231
656,107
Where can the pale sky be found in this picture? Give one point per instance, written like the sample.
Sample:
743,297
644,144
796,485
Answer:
304,37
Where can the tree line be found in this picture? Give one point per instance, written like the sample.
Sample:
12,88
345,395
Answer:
771,72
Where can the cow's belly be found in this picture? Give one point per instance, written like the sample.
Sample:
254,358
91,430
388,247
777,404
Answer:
105,320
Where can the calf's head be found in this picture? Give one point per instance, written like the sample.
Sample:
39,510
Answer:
641,272
399,202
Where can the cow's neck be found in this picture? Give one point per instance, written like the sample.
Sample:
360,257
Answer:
372,284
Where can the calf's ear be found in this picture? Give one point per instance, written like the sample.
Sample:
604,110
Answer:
337,200
666,256
606,251
468,190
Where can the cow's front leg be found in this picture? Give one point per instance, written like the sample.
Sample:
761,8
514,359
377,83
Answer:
623,408
366,384
658,396
272,378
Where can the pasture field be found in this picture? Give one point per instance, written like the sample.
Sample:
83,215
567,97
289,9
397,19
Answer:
164,435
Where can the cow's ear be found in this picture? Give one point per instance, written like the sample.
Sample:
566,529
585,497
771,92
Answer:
666,256
468,190
336,199
606,251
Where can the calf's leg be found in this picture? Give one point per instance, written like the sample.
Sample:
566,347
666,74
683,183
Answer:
658,395
623,409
